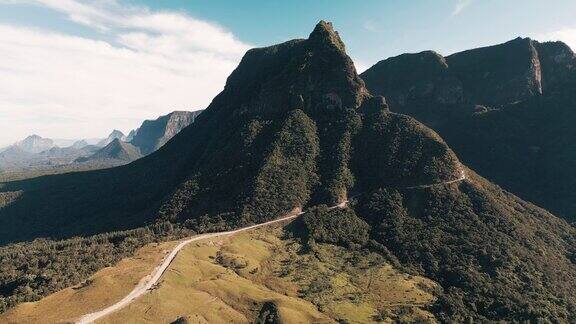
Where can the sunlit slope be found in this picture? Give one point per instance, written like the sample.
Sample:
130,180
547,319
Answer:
229,279
103,288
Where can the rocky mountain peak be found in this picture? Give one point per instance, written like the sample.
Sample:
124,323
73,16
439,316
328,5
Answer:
116,134
325,35
317,73
35,144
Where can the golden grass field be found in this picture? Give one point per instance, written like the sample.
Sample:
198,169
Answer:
103,288
227,279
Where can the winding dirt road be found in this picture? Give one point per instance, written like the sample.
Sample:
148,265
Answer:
461,178
150,280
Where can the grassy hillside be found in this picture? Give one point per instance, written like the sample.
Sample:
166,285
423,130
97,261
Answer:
230,279
103,288
29,271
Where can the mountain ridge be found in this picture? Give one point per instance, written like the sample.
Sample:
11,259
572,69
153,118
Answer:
518,139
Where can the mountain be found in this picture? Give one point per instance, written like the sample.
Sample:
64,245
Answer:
13,156
80,144
295,127
116,134
505,109
35,144
131,135
63,155
155,133
47,154
63,142
117,151
19,158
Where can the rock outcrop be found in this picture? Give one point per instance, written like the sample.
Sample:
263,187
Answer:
153,134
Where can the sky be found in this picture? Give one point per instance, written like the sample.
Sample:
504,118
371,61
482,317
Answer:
78,69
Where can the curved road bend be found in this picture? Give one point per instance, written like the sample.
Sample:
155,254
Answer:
150,280
461,178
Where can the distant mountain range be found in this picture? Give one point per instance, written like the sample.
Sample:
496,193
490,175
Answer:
35,152
507,110
296,127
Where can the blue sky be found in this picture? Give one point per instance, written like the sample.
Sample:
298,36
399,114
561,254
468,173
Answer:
375,29
75,69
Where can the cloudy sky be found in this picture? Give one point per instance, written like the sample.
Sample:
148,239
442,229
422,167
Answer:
78,69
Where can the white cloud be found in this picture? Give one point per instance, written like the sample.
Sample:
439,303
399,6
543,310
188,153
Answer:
66,86
460,6
567,35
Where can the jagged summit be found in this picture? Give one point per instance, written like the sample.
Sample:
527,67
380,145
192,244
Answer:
115,134
316,71
325,35
35,144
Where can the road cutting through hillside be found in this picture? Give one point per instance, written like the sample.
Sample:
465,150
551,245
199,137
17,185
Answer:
461,178
151,280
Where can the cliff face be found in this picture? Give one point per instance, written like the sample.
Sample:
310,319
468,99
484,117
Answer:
153,134
558,65
500,74
492,76
421,85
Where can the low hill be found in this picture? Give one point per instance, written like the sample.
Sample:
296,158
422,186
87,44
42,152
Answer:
115,151
295,127
505,110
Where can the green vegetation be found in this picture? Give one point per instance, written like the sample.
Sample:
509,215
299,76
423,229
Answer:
466,238
288,174
395,150
336,130
29,271
507,111
335,226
